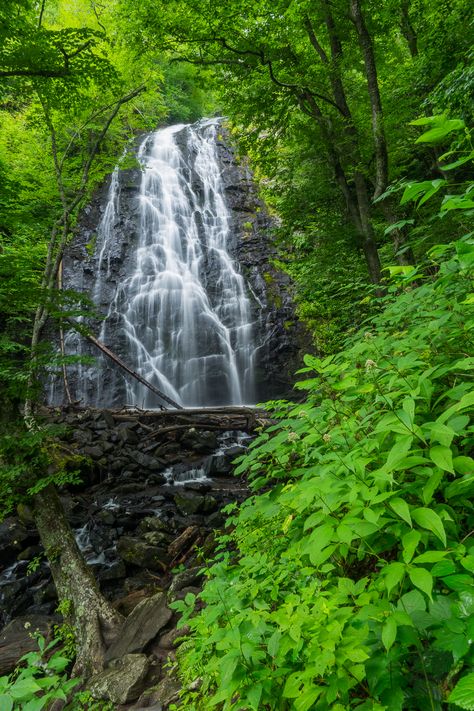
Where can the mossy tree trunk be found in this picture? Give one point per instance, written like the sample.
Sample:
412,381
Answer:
95,621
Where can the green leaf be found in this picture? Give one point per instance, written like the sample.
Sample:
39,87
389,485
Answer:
441,433
389,632
463,693
6,703
442,457
393,573
460,582
421,579
409,542
307,698
429,519
401,508
254,694
23,688
274,643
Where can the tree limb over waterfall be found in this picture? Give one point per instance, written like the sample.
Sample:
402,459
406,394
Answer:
118,361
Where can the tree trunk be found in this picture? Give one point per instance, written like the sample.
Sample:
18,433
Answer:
378,132
95,620
407,28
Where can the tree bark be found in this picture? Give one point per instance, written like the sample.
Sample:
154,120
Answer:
378,131
407,28
95,620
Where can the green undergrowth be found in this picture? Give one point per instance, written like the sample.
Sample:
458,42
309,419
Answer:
346,581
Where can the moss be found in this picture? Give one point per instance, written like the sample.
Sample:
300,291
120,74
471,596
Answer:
91,245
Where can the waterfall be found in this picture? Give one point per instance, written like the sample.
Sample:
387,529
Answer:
182,313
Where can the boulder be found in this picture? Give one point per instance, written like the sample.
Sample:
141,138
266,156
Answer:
141,626
123,681
190,503
140,553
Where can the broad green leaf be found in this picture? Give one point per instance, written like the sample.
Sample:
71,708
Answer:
274,643
442,457
24,688
463,465
307,698
401,508
6,703
442,568
431,557
440,433
429,519
409,542
389,632
460,582
461,487
254,694
421,579
393,573
463,693
431,485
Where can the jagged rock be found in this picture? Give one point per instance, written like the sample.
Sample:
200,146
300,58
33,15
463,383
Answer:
141,626
113,572
190,503
140,553
174,637
164,693
199,440
189,577
123,681
94,452
153,523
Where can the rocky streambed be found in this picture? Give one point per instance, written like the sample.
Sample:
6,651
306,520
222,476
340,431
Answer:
145,515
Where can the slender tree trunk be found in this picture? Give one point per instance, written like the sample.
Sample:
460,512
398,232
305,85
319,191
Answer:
95,620
361,216
407,28
380,142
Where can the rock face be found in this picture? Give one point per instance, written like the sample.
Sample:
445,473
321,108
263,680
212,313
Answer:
279,337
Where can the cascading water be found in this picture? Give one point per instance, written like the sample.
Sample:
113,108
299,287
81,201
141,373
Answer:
183,314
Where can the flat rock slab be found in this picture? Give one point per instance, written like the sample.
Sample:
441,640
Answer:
140,627
123,681
17,639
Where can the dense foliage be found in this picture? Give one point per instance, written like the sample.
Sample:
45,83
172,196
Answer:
347,580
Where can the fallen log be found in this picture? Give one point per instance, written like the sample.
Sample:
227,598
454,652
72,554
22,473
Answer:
118,361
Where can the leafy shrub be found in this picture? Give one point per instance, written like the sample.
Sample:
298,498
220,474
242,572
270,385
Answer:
347,582
41,681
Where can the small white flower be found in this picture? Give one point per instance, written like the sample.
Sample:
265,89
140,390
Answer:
326,437
293,436
370,365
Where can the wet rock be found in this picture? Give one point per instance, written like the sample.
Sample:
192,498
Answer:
190,503
199,440
141,626
153,523
138,552
94,452
116,571
30,553
123,681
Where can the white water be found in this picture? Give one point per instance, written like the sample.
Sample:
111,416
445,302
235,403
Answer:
183,313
